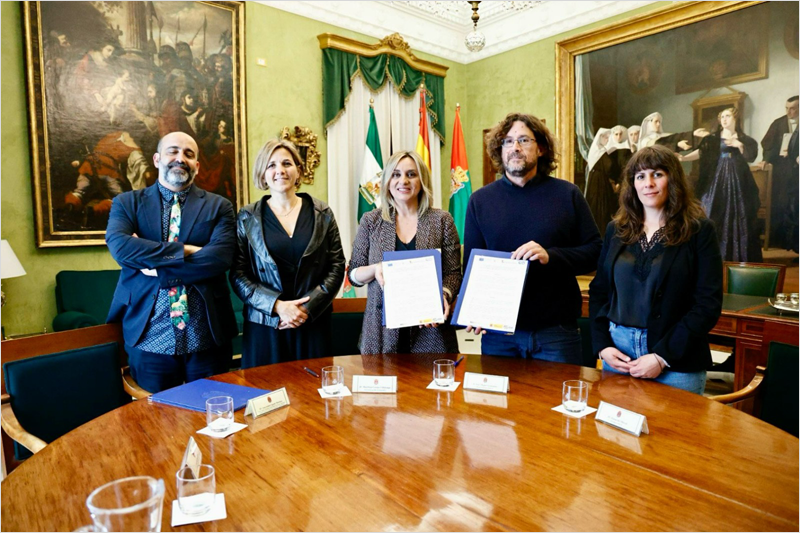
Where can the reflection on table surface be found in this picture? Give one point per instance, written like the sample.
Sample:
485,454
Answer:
432,460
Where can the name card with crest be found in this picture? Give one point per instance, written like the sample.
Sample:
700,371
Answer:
267,403
192,458
486,382
620,418
375,384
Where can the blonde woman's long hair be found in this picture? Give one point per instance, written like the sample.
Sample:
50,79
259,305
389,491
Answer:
425,197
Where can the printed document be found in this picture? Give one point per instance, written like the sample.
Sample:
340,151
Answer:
411,294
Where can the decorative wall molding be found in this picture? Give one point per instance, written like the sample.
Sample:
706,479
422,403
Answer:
444,37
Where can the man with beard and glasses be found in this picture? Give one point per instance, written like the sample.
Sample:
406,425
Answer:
541,219
174,242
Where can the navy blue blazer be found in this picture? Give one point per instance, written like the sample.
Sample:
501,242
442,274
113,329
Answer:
686,305
207,220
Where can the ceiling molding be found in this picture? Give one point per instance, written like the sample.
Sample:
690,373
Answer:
443,37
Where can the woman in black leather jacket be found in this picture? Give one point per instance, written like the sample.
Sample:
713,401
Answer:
288,264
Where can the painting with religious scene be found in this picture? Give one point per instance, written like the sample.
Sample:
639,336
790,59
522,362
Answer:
106,81
715,82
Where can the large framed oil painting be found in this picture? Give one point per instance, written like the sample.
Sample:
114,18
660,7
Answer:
105,81
667,77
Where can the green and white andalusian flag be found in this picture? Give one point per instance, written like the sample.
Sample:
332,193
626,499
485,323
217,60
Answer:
370,186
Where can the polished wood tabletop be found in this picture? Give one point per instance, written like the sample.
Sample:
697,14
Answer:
427,460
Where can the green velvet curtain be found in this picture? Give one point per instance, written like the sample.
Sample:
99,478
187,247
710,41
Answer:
339,68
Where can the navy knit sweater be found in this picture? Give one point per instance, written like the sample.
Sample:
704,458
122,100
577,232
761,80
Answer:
552,212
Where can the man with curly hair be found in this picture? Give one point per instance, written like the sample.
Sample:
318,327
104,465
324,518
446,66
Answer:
541,219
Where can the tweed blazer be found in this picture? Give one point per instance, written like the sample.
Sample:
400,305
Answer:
435,229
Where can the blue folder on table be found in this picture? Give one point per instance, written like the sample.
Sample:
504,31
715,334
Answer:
475,253
413,254
194,395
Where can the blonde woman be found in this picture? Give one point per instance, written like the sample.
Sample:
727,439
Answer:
288,264
406,220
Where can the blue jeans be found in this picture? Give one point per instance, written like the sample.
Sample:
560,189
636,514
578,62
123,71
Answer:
155,372
561,344
633,343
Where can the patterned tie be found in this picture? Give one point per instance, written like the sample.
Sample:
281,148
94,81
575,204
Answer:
178,299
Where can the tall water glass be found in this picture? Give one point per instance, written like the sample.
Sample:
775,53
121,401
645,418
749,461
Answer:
219,413
444,372
575,395
332,379
196,494
128,504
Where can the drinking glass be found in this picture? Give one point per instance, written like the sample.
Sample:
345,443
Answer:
575,395
444,372
196,494
128,504
219,413
780,298
332,379
794,298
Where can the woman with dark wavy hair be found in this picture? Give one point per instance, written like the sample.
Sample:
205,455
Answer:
658,288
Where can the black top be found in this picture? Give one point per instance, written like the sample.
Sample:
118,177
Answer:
286,250
635,279
400,246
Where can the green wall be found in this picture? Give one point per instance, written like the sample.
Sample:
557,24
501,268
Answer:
286,92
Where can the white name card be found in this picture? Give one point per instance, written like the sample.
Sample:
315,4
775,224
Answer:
377,384
192,457
623,419
486,382
266,403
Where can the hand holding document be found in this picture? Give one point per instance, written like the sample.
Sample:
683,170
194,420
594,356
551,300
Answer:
412,291
491,291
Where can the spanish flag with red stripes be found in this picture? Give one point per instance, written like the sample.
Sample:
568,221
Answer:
423,142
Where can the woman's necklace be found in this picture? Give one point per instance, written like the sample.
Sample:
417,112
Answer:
289,212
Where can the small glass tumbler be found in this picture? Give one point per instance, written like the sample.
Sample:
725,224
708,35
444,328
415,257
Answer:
780,298
128,504
794,298
575,395
332,379
196,494
444,372
219,413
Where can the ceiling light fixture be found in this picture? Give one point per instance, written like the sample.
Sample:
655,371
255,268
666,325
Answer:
475,40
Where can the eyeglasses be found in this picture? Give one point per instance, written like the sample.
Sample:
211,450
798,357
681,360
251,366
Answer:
524,142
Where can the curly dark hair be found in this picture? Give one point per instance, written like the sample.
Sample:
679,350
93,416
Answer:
547,162
682,212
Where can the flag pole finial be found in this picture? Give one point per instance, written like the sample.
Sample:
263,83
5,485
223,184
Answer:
371,102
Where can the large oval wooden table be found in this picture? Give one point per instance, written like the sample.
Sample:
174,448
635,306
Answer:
428,460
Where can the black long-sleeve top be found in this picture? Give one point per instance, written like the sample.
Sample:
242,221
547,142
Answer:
552,212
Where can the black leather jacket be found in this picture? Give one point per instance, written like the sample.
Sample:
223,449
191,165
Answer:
254,274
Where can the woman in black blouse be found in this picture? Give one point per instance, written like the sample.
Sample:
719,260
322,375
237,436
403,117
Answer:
658,288
288,265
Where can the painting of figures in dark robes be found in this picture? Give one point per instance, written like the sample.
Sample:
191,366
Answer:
106,81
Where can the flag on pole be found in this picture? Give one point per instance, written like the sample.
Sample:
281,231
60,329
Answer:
370,185
460,186
423,142
348,291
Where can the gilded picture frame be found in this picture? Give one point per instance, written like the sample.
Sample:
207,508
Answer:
105,81
628,30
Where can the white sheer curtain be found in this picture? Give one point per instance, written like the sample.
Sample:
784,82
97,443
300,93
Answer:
398,128
584,110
